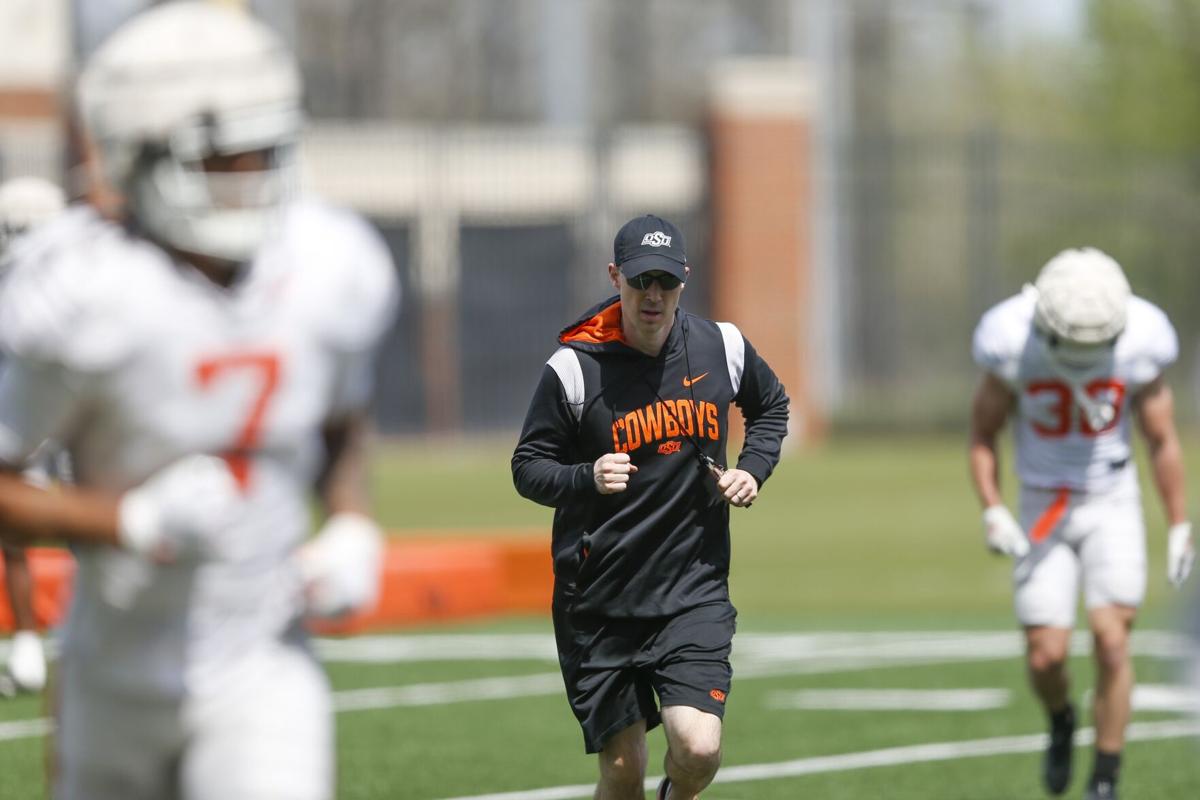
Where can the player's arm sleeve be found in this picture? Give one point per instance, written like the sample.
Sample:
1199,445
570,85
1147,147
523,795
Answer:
993,349
342,481
366,309
1159,351
59,334
37,401
51,340
543,463
764,404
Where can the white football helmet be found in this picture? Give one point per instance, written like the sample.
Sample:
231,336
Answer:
24,203
1082,298
181,83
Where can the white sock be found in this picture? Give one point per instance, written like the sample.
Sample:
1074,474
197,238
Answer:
27,661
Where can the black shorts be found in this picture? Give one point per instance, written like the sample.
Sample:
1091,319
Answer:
614,668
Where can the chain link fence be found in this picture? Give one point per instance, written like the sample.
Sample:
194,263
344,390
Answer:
498,144
940,228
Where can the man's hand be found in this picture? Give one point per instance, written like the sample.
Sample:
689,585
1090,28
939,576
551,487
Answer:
341,566
738,487
611,472
1003,534
1181,553
180,512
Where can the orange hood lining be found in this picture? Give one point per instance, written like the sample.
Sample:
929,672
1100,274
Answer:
602,328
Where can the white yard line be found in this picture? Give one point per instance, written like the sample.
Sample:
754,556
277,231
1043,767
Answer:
432,694
1162,697
1158,698
753,652
887,757
1168,698
416,694
439,647
25,728
756,656
890,699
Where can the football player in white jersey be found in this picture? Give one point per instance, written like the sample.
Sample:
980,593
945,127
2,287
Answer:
1074,360
205,355
25,202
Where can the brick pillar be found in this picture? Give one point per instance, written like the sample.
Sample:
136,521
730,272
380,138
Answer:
761,136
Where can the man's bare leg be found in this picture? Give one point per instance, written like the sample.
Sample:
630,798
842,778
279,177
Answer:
1111,626
693,750
1046,652
623,765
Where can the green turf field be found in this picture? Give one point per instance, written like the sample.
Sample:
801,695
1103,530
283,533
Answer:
860,568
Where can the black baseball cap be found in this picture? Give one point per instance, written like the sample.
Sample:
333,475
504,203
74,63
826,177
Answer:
649,243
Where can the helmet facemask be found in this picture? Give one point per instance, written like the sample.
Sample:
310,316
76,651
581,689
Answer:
181,198
1075,357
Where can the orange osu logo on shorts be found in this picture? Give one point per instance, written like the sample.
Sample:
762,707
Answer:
667,448
718,695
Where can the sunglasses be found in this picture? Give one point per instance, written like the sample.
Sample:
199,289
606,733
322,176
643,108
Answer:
665,280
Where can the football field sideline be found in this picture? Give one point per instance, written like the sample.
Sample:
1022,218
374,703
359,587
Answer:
914,681
886,757
757,655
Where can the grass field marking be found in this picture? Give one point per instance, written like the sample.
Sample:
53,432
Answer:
1160,697
752,651
439,647
1157,697
774,655
25,728
886,757
416,694
430,694
583,790
890,699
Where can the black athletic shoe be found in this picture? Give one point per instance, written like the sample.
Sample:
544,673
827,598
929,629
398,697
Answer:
663,788
1056,764
1101,790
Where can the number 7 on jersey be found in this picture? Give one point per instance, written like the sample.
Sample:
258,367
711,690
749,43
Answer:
267,365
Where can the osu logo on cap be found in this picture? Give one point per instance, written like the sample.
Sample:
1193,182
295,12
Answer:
657,239
718,695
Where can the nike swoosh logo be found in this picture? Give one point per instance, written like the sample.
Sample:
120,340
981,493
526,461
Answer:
687,382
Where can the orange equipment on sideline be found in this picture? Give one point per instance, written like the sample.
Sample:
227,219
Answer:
426,579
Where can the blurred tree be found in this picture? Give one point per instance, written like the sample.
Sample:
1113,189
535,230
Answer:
1143,88
1140,107
1105,151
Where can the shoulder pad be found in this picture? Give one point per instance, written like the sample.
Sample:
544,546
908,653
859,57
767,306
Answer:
1149,342
354,282
64,300
1001,336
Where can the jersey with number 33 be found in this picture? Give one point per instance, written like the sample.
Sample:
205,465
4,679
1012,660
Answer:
132,360
1056,447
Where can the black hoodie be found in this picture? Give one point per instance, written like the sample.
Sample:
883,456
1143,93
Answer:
662,545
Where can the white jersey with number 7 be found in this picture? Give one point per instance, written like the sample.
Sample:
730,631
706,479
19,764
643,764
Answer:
132,360
1056,446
